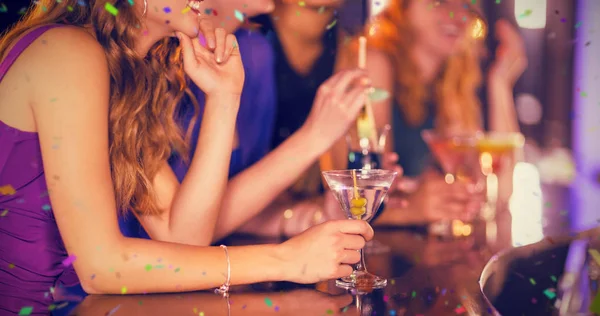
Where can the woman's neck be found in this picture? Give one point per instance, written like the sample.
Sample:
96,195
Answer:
428,63
301,24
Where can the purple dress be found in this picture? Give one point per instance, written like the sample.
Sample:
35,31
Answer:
31,249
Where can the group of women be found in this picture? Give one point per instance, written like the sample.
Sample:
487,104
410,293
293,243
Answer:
127,142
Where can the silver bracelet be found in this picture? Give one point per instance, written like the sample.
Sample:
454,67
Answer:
224,289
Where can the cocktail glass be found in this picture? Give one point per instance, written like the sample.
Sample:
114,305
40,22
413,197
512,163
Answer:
458,157
363,153
360,193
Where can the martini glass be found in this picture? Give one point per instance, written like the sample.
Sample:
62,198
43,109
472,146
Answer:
364,154
360,193
458,157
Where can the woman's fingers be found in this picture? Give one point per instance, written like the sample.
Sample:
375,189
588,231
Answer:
231,47
342,86
207,29
354,242
342,271
353,101
187,48
220,36
350,257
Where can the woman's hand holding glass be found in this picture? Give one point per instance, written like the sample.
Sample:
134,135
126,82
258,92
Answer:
431,199
218,68
324,251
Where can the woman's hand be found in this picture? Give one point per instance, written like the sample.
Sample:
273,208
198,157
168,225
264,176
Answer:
214,71
336,106
435,200
511,59
325,251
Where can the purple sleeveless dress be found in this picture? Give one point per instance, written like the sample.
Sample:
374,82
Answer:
31,249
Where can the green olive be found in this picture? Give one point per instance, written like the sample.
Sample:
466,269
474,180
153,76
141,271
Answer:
358,202
358,211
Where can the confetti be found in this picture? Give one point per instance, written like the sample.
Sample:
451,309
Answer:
11,265
114,310
377,95
3,8
46,207
7,190
276,308
148,267
177,270
186,10
532,281
124,290
130,2
268,302
329,311
239,15
550,294
3,213
526,13
331,25
460,310
167,9
67,262
111,9
26,311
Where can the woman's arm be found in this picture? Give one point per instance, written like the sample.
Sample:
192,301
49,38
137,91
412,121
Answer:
81,191
334,108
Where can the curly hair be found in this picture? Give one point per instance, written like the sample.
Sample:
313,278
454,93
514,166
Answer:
455,88
144,93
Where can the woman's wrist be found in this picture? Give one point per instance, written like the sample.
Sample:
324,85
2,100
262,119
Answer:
313,139
224,100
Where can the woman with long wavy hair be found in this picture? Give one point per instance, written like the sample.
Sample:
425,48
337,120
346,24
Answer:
427,53
89,91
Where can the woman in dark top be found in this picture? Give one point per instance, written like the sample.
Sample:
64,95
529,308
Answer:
426,54
306,40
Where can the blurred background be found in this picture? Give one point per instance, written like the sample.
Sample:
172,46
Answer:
557,98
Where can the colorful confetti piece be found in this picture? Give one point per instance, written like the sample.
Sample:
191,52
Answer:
7,190
27,310
111,9
124,290
532,281
67,262
331,25
268,302
3,213
460,310
550,294
239,15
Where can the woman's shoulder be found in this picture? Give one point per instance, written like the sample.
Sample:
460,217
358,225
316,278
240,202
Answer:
65,48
